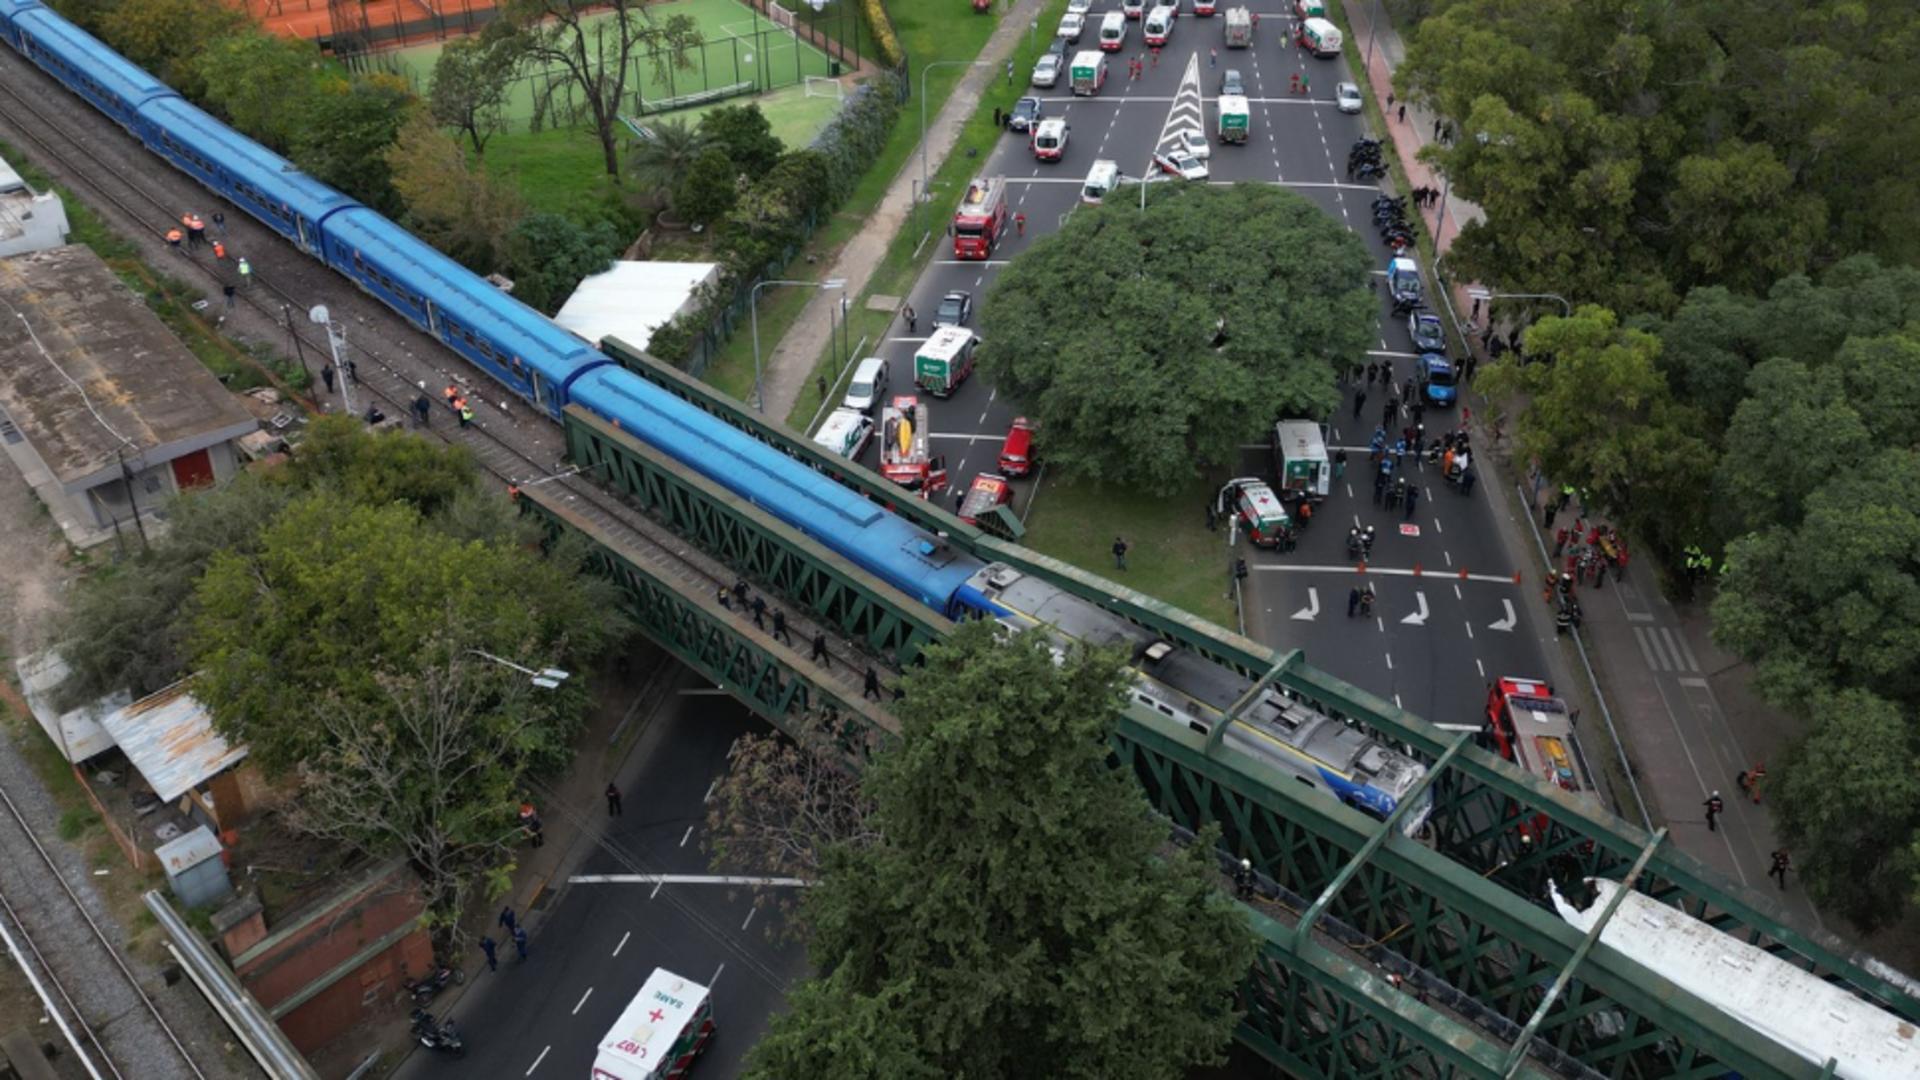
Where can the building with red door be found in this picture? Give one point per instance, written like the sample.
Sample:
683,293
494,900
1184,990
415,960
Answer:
102,408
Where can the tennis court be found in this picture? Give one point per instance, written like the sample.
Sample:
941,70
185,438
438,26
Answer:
743,52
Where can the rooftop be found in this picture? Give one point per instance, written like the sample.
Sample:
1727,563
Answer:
169,737
68,325
632,300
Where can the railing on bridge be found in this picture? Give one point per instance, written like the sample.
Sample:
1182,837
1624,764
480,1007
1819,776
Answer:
1459,923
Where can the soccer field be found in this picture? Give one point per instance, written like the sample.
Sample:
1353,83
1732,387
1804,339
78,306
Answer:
741,47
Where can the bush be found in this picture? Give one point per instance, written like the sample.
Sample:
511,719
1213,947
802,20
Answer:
858,133
709,189
805,178
884,39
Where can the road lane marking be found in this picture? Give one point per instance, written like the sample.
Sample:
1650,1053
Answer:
1505,625
716,977
1469,629
538,1060
687,837
623,942
1418,618
750,914
683,879
582,1001
1289,568
1308,613
656,889
1389,661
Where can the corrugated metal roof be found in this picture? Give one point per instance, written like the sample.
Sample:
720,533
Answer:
77,733
169,737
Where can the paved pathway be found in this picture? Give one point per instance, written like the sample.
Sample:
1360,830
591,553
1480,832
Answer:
790,364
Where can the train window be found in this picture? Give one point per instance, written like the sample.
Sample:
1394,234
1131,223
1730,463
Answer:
1163,709
1303,780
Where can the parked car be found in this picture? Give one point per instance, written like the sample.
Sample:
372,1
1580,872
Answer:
955,309
1046,71
1027,114
1181,164
1427,332
1347,97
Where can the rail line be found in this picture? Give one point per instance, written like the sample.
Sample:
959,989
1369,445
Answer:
135,1025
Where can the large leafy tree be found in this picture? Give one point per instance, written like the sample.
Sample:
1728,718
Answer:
744,133
164,36
344,137
470,83
462,210
1600,416
548,254
249,78
1149,346
1020,903
663,159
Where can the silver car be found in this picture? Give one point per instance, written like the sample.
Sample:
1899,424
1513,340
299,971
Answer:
1046,72
1347,96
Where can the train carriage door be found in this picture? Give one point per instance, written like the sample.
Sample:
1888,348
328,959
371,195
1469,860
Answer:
306,240
539,388
433,319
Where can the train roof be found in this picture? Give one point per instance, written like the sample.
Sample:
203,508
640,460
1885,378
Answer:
823,508
463,296
273,176
10,8
1795,1008
83,52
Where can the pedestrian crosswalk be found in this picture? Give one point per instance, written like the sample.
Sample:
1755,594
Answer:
1664,650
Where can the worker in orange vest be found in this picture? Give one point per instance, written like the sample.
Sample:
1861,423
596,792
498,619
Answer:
219,250
196,229
173,239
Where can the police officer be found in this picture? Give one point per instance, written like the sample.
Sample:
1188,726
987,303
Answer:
1243,880
1714,807
1781,863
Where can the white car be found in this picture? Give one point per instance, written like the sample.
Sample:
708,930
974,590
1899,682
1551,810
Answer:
1046,71
1347,95
1194,142
1181,164
1071,26
1079,7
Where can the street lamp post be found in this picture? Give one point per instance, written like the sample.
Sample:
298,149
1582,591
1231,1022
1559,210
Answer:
545,678
753,311
925,191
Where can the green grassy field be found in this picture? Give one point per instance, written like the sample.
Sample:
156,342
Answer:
1172,556
741,47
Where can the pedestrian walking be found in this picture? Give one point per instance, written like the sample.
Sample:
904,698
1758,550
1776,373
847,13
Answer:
1466,367
423,410
1213,57
174,236
1353,601
1782,862
1373,372
326,376
520,940
1119,553
872,687
613,800
725,598
1389,99
1475,317
1413,500
740,592
1467,478
1359,402
1546,516
1559,541
1020,224
780,627
1436,129
820,654
353,373
219,250
913,319
487,945
1391,410
1714,807
246,272
507,919
759,612
452,394
226,294
1243,879
1156,57
959,498
536,832
1403,114
220,223
466,414
195,232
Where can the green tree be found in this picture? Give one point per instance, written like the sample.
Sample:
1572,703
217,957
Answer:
462,210
661,161
259,83
469,86
1021,903
345,136
744,133
596,46
710,188
548,254
1847,800
1151,346
164,36
1599,416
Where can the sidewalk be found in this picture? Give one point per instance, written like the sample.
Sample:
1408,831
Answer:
1684,708
790,364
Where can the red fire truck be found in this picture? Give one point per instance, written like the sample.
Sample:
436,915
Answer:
903,442
981,219
1533,729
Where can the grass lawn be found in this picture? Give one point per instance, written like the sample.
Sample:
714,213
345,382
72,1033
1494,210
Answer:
1172,556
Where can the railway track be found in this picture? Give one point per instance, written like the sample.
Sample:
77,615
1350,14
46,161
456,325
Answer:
120,1031
515,448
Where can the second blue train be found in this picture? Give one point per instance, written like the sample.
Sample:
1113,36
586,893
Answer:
549,367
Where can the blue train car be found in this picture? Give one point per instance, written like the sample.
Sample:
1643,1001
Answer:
882,543
522,349
8,10
86,66
260,181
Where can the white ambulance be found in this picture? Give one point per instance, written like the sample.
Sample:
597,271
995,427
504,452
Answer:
664,1028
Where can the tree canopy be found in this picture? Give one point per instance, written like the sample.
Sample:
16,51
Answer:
469,87
746,136
1013,900
1150,346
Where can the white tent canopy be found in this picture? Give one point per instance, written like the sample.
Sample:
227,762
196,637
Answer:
633,299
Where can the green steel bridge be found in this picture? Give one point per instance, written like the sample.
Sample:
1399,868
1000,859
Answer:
1383,956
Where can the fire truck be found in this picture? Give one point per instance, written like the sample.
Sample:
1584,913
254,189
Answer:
981,219
903,442
1533,729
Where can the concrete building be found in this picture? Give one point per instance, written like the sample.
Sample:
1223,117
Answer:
28,221
101,406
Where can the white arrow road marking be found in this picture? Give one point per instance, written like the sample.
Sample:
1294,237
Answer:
1506,623
1418,618
1306,614
1188,109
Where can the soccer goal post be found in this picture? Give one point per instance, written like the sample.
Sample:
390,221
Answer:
822,87
781,17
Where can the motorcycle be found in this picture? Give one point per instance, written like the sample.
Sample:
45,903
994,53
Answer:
437,1035
439,979
1366,600
1356,549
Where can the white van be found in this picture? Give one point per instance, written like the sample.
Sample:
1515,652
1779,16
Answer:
1159,25
1113,32
1100,180
1133,8
845,433
868,386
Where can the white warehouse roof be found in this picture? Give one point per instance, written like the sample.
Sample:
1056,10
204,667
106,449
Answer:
633,299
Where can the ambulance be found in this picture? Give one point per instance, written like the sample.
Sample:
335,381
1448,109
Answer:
1159,25
664,1028
944,360
1101,179
1049,140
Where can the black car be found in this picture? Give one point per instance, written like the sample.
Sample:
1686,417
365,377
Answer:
1026,114
954,310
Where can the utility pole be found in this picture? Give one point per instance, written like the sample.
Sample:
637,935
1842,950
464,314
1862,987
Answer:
337,342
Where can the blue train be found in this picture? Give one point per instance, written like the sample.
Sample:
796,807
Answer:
549,367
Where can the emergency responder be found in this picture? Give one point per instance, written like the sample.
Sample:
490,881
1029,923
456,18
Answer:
1243,880
1714,807
1782,862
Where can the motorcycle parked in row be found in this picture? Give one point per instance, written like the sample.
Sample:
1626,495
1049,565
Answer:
428,988
437,1034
